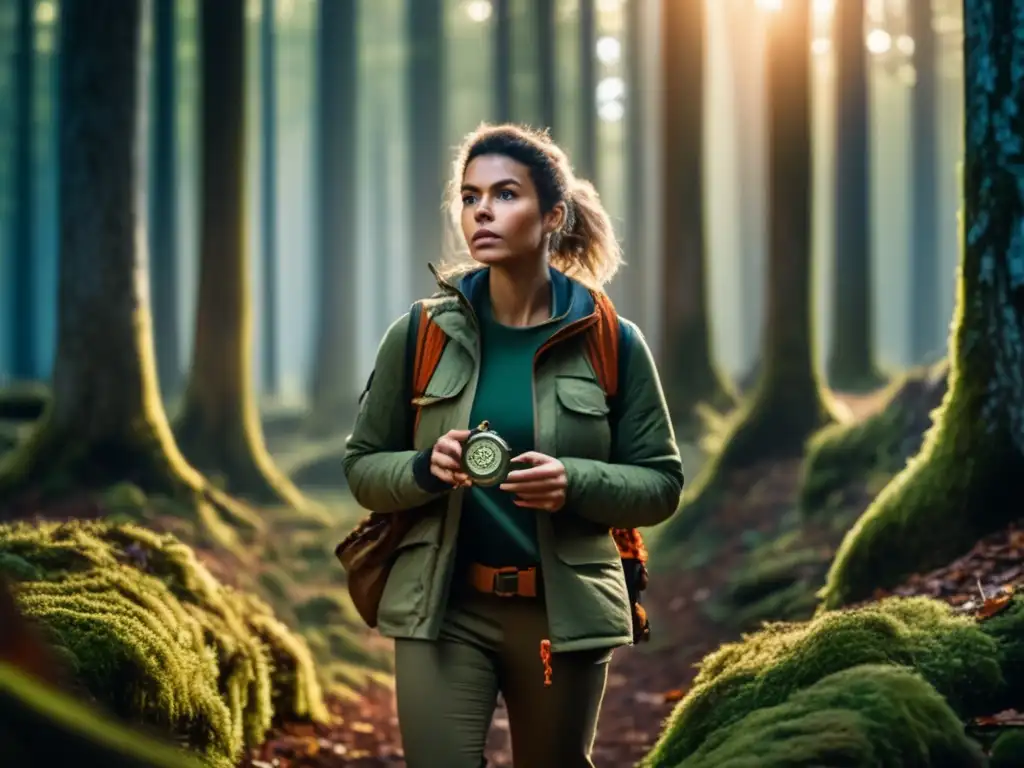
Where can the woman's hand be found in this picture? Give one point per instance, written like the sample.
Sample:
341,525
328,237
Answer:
445,459
541,486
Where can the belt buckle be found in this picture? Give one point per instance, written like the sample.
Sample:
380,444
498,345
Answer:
506,583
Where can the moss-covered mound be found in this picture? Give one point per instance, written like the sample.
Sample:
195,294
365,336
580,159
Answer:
841,455
967,662
1008,751
870,715
40,726
154,638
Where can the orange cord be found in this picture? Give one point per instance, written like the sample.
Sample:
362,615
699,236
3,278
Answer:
545,657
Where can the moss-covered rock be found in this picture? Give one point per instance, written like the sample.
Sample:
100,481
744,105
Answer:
869,715
156,639
41,726
955,654
1008,750
841,455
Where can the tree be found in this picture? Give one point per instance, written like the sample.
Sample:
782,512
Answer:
788,403
502,60
268,195
335,126
926,341
163,219
23,241
967,478
105,423
635,120
547,68
691,377
425,78
586,158
851,361
219,428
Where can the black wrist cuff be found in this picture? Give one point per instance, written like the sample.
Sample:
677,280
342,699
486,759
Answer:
424,479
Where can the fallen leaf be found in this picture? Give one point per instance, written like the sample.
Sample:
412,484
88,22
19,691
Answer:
362,727
674,695
1008,717
994,605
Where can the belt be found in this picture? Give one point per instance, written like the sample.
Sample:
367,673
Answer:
503,582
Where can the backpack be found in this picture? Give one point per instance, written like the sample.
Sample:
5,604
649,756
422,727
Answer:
366,553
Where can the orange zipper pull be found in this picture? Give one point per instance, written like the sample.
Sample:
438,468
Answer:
545,657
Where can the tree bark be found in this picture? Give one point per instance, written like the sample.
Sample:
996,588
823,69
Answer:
269,369
636,197
425,122
105,423
163,202
333,392
851,360
22,318
964,482
547,85
502,60
691,377
926,338
219,429
586,160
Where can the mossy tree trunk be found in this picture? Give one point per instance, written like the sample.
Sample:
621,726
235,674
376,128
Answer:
787,404
691,377
967,479
851,362
105,423
219,428
163,202
333,394
926,340
269,368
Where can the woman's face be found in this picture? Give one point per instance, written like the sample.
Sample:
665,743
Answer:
501,216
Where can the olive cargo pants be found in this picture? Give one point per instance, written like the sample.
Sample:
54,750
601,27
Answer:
447,689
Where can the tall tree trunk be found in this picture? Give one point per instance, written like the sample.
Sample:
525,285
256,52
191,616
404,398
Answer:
333,390
502,58
745,37
964,483
691,377
547,85
105,423
425,119
586,159
23,247
926,339
163,208
219,429
851,361
636,198
269,369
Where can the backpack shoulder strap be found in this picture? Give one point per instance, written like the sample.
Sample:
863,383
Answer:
424,347
603,345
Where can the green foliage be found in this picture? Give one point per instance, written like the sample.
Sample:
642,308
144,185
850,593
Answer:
877,715
1008,750
954,654
156,639
41,726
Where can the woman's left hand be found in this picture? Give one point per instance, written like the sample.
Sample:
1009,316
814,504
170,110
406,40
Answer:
541,486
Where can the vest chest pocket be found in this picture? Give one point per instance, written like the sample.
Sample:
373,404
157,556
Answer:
582,420
438,405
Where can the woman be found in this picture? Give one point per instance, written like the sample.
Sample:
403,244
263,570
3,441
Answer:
489,573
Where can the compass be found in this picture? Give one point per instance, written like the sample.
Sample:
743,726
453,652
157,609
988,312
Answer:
485,456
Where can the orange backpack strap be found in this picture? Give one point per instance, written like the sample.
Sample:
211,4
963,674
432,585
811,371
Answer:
603,345
429,346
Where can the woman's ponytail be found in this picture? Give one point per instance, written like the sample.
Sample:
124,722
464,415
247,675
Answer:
586,247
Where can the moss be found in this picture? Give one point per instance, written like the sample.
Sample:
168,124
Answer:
156,639
321,610
1008,750
840,455
41,726
24,401
877,715
952,653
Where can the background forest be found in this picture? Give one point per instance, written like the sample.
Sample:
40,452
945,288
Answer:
211,210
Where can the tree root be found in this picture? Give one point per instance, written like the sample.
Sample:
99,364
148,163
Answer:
51,464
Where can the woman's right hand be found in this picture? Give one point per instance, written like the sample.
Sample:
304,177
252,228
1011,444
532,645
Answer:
446,458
